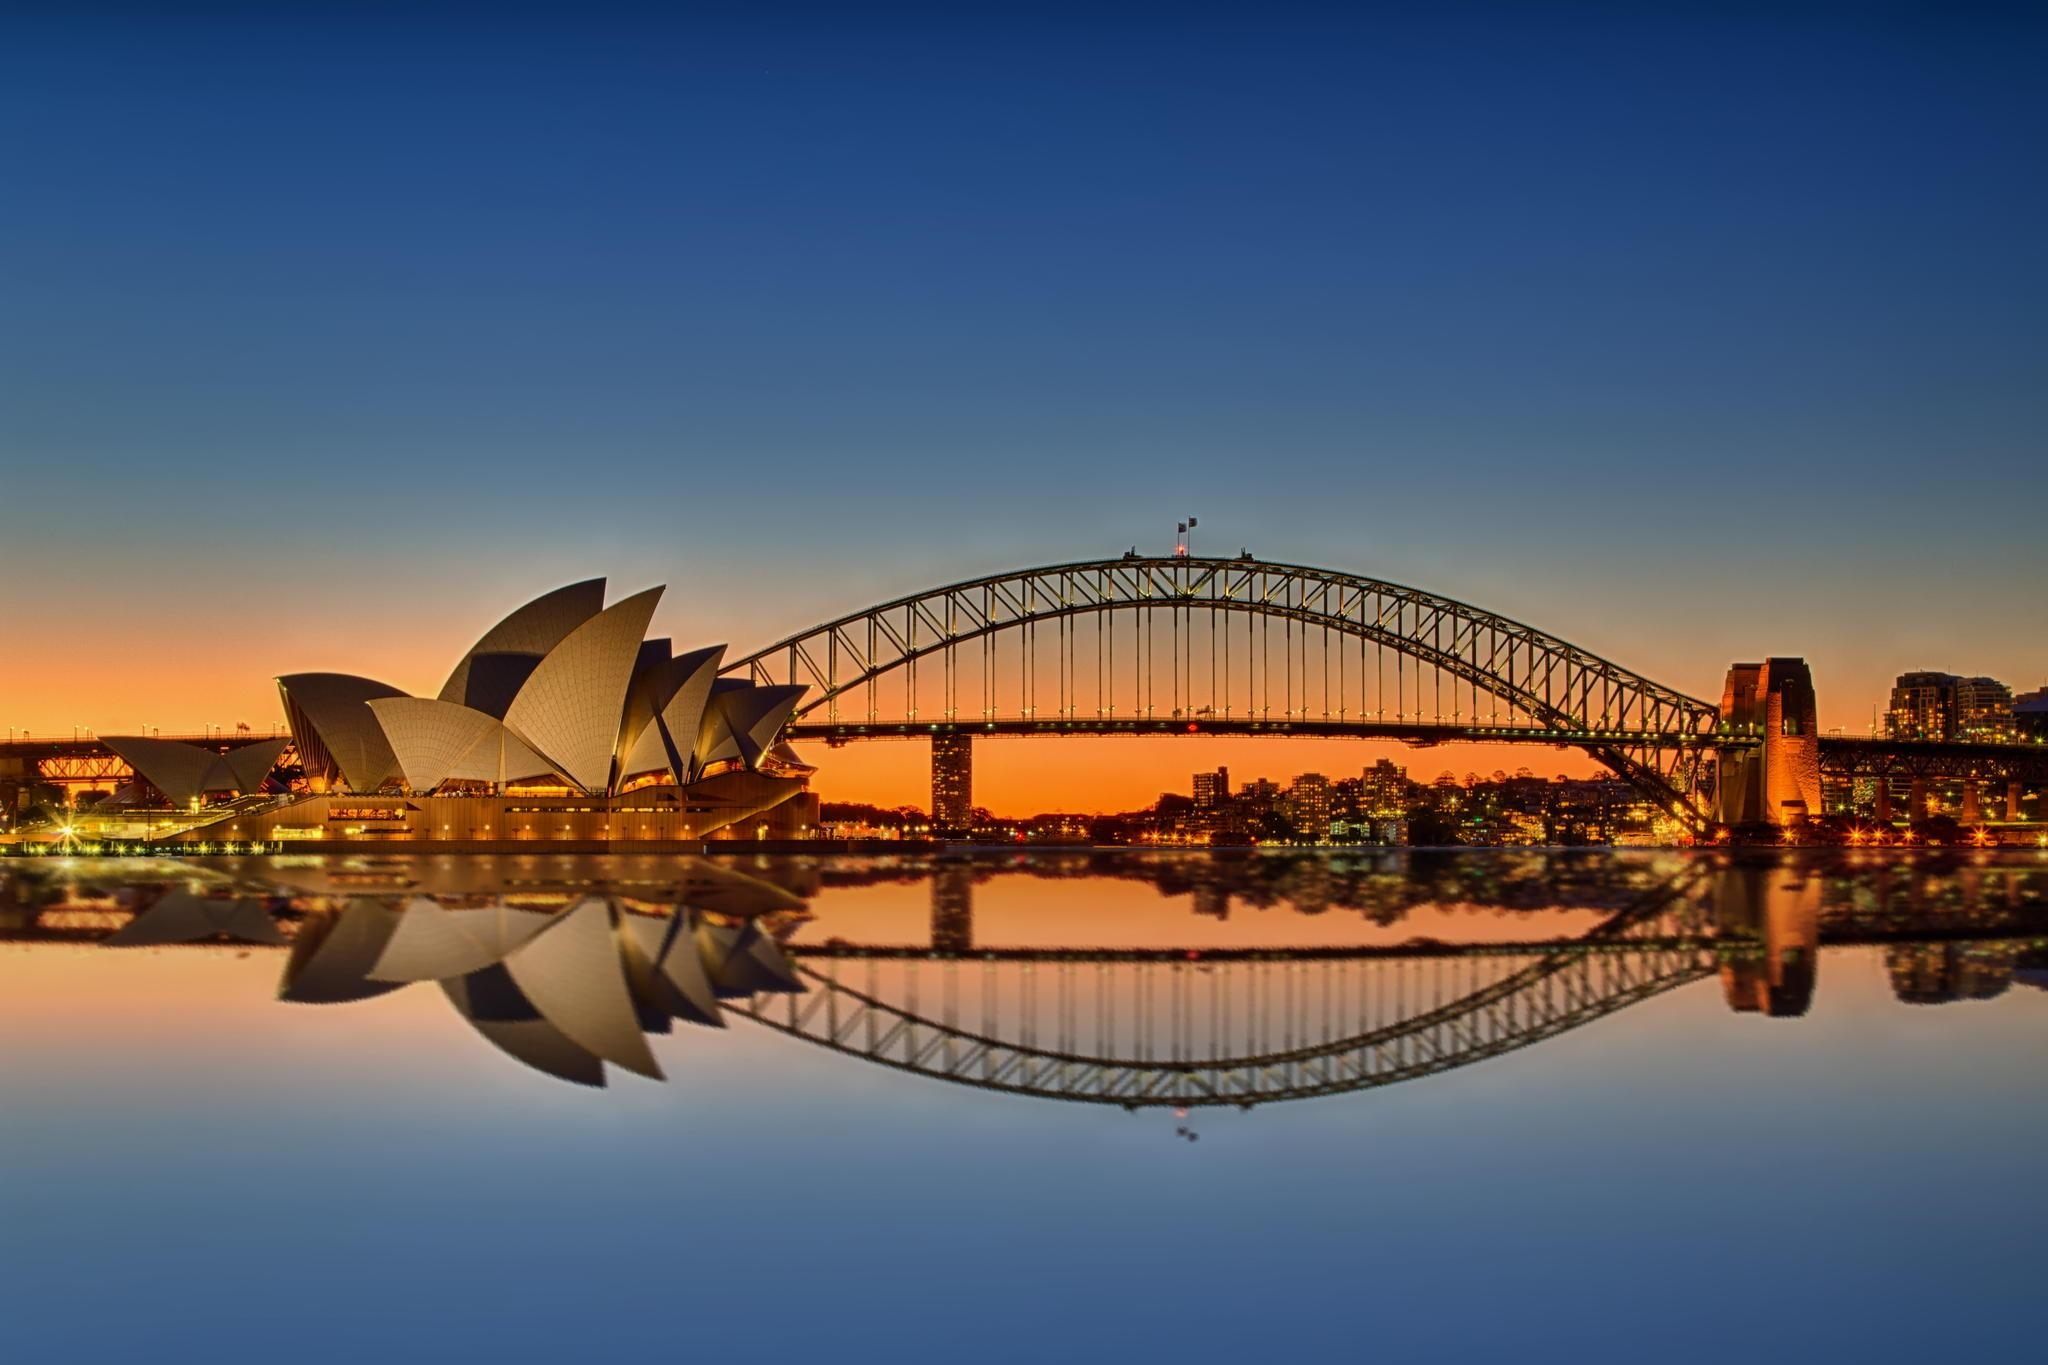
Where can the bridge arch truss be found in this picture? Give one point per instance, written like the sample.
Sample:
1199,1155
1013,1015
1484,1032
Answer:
1232,644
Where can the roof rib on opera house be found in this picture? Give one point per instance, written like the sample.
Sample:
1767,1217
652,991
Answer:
563,693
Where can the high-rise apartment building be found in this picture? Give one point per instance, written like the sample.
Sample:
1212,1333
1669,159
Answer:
952,784
1308,805
1384,789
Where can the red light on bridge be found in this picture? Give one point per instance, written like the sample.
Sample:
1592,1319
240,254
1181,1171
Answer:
1193,728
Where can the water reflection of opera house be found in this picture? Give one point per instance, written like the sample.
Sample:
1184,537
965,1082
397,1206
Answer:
1305,976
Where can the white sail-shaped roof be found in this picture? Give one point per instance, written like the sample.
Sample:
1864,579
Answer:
334,730
573,974
679,691
251,763
570,709
438,741
643,697
535,629
183,772
741,721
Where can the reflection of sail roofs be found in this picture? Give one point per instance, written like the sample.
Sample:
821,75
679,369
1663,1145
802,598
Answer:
573,974
665,712
563,992
743,961
741,721
433,944
333,954
570,708
182,917
531,632
666,969
723,891
438,741
495,1007
542,987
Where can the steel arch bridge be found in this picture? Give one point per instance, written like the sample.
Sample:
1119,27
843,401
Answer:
1182,645
1142,1029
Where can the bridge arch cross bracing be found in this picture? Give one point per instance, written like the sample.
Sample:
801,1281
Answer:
1230,646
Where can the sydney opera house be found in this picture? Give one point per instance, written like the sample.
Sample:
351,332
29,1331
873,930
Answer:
563,723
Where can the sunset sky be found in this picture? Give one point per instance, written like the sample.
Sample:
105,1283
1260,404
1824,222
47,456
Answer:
1683,336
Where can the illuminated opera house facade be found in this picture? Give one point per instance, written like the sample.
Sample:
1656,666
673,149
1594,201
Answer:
563,723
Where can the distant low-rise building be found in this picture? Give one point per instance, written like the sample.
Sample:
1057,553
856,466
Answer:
2030,714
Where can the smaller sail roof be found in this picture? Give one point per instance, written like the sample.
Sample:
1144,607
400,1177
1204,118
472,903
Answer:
438,741
333,727
741,721
182,917
185,772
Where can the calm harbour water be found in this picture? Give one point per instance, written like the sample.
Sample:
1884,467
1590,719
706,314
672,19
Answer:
1562,1105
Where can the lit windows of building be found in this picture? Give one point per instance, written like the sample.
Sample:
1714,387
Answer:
1383,790
952,784
1944,706
1212,789
1308,805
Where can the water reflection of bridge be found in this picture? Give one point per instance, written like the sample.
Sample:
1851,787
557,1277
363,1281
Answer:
1107,1022
1248,1026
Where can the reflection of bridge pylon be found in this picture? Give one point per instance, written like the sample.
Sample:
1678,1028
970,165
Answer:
953,909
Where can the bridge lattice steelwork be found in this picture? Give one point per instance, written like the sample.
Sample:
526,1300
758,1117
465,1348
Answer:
1231,646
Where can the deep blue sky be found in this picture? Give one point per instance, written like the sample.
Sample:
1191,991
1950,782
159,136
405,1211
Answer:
1689,335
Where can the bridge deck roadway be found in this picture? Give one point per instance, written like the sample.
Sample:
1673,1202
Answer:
1424,733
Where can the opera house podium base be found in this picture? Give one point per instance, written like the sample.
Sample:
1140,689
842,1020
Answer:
732,806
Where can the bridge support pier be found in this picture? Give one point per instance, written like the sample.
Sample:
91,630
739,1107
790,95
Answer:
2013,793
952,785
1916,805
1973,802
1780,784
1884,801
